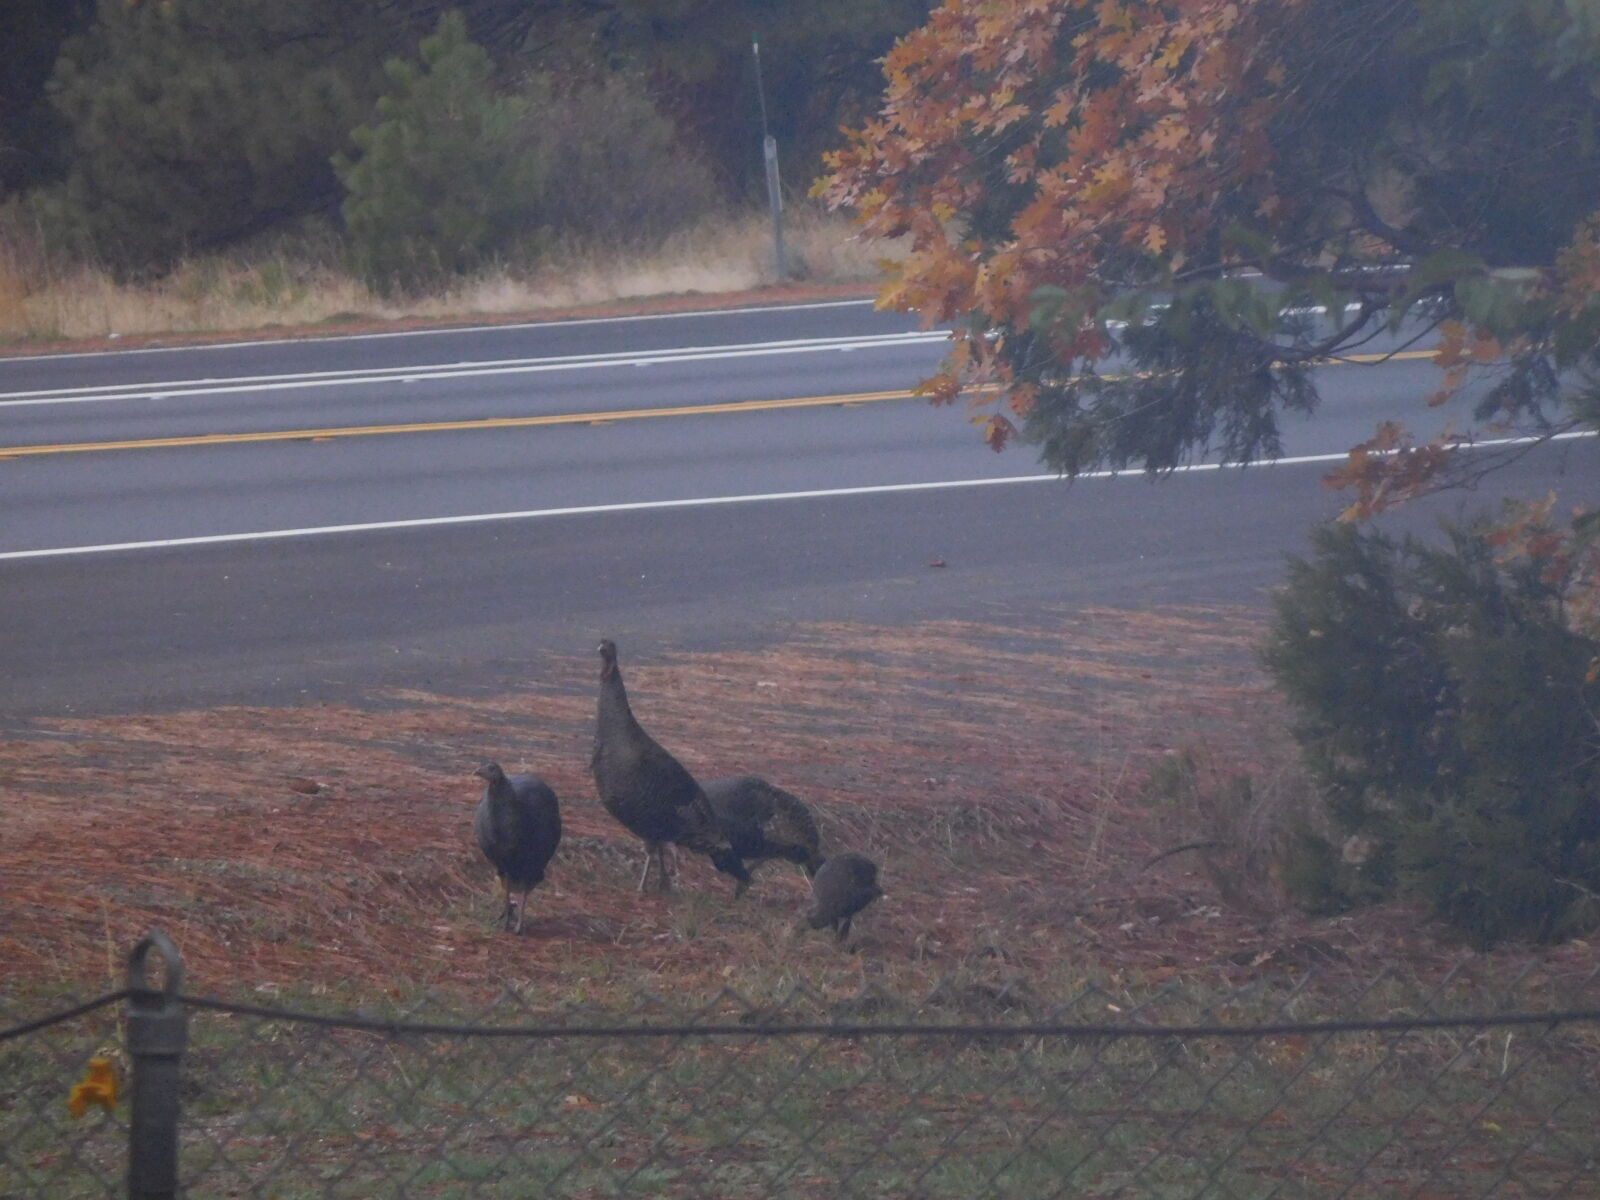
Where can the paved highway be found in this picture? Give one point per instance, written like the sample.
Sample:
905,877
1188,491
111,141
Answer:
176,522
133,447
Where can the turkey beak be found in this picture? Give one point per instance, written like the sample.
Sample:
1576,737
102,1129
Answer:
482,772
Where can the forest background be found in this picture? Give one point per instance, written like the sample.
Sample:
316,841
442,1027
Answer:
185,165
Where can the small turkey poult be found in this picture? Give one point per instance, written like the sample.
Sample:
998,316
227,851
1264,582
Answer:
518,824
844,885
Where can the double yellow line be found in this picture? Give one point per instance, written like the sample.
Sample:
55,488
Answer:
594,418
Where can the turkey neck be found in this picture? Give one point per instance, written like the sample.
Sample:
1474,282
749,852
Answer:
614,711
502,797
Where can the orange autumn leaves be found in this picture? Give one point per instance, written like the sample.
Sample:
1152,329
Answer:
99,1087
1092,148
1061,143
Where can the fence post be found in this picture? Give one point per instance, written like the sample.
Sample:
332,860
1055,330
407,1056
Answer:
158,1030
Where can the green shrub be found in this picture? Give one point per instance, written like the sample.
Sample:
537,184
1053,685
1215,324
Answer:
446,175
1446,711
193,124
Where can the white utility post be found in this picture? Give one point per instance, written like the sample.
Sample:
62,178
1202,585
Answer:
769,152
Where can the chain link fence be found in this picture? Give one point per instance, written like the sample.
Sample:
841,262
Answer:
1290,1087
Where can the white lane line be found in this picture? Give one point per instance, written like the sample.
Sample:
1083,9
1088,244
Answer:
710,501
637,506
534,514
443,329
698,502
169,389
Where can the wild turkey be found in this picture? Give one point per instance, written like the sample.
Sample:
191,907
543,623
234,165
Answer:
648,790
518,824
844,885
762,821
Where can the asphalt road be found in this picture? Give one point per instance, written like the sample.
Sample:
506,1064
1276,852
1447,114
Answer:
698,524
307,435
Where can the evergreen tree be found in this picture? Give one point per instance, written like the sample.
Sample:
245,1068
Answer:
446,173
32,32
186,125
197,122
1446,707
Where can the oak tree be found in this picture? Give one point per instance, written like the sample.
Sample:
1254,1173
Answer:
1150,220
1183,186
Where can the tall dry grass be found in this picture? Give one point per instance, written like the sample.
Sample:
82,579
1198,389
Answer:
303,283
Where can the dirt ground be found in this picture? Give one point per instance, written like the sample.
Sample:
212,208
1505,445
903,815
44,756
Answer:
999,774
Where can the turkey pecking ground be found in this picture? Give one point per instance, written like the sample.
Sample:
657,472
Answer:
997,773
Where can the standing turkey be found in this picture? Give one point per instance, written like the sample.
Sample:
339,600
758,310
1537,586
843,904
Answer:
844,885
648,790
763,821
518,824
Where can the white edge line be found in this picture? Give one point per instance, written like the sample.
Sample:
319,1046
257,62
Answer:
178,389
447,329
708,501
443,329
532,514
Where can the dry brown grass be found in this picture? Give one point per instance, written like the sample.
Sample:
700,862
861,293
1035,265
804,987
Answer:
970,759
44,302
13,296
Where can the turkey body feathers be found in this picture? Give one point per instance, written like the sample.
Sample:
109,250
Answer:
648,791
844,885
518,826
763,821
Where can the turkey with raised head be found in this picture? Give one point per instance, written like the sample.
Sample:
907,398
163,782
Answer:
763,821
646,789
844,885
518,824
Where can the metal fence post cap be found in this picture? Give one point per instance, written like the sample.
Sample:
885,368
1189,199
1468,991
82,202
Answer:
157,1024
139,961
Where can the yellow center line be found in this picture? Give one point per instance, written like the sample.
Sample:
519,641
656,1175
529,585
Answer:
594,418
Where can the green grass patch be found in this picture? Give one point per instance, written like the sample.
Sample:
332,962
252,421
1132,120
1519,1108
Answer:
288,1109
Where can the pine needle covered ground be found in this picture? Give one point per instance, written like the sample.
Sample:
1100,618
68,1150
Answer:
1011,781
